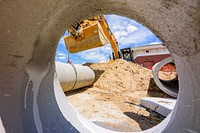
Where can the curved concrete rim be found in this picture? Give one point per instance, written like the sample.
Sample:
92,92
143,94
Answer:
168,89
31,98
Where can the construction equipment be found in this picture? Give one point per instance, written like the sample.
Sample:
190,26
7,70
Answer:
127,54
91,33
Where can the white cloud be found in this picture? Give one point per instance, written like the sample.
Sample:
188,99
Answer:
115,27
96,55
61,54
62,58
137,37
106,48
152,43
102,61
131,29
119,34
128,32
122,40
93,56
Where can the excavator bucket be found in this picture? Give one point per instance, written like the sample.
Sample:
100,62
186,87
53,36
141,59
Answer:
92,36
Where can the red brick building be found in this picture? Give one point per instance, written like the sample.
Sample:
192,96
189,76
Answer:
149,55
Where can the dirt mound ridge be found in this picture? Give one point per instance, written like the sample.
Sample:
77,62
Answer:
122,76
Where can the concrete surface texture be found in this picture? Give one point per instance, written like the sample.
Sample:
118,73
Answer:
31,99
162,106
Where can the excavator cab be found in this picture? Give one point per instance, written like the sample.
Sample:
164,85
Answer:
86,35
127,54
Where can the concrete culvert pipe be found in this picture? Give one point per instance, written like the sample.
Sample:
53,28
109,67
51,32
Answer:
31,99
170,87
73,77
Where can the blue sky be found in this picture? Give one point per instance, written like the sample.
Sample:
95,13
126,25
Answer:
128,33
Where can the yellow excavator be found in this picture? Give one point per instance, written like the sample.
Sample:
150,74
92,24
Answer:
91,33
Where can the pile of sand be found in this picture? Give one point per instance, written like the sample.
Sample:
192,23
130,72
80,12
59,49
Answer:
122,75
113,100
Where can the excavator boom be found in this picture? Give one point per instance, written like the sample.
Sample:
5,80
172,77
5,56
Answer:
110,37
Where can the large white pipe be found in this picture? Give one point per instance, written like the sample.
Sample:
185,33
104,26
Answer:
169,87
73,77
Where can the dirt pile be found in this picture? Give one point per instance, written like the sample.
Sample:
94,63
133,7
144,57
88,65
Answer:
122,75
113,100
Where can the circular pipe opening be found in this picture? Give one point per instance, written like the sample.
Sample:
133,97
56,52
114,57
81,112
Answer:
136,118
21,27
171,86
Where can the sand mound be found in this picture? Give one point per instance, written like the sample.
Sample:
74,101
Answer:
121,76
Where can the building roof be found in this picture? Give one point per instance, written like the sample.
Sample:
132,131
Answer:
147,47
156,49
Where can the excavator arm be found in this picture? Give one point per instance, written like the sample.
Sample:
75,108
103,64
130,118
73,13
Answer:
110,36
91,33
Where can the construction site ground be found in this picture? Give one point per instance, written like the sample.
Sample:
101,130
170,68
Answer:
113,101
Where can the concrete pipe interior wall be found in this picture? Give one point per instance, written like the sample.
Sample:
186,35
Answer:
31,98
